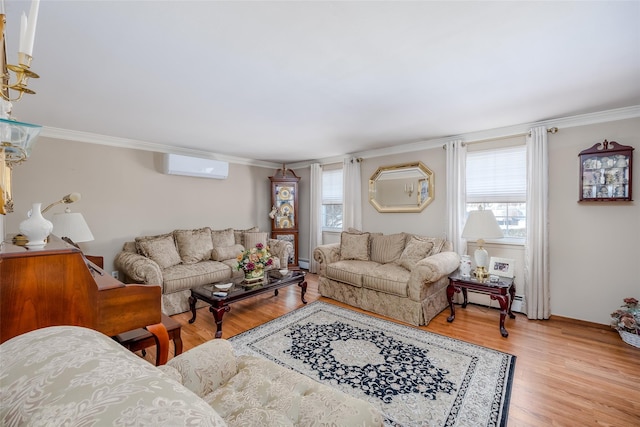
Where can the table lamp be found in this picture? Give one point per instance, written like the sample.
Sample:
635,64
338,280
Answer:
71,225
480,225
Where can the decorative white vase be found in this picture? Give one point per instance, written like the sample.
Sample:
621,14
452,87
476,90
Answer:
465,265
36,228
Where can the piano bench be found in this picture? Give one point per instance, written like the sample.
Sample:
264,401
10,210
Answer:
140,339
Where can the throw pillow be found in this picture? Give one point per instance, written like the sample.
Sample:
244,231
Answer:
251,239
388,248
161,249
354,246
223,253
223,237
438,242
237,234
415,250
194,245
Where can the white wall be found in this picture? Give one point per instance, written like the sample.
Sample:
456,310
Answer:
429,222
125,194
594,247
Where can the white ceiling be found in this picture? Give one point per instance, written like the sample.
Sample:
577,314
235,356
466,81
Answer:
293,81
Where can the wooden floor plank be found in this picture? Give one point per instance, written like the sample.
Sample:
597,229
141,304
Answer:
568,373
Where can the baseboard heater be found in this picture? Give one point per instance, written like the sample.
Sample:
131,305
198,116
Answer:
483,299
175,164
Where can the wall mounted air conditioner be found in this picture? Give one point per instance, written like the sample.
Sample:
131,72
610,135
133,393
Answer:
175,164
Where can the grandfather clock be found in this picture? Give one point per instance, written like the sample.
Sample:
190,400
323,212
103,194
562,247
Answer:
284,211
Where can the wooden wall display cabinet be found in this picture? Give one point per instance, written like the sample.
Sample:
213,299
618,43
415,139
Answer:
284,213
606,173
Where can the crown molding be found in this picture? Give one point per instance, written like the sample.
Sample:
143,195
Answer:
134,144
565,122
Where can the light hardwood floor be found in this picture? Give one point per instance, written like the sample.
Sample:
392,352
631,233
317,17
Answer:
568,373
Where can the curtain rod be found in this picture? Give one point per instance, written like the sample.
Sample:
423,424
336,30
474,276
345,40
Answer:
552,130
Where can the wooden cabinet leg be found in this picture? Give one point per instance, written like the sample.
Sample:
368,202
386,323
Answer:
161,337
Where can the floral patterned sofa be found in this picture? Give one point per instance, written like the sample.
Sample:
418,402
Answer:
401,275
183,259
71,376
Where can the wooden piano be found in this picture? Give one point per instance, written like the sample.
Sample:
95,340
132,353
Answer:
58,285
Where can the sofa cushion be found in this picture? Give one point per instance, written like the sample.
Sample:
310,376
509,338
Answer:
181,277
161,249
388,278
264,393
224,253
194,245
251,239
438,243
388,248
349,271
354,246
238,234
223,237
416,249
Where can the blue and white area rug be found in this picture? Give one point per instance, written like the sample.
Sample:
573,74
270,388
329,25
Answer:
416,378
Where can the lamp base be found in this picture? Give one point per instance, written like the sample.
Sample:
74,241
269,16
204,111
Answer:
481,273
482,261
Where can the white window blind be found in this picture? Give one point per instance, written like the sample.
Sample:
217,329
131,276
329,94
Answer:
332,187
497,175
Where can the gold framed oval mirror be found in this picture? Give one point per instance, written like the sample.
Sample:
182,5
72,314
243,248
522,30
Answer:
402,188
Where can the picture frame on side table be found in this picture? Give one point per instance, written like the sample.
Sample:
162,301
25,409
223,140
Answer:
503,267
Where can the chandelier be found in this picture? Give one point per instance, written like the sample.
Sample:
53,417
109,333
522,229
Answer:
16,138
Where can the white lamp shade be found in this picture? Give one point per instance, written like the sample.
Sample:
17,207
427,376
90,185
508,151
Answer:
72,225
482,224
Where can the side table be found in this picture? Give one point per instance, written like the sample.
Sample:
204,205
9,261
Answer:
504,291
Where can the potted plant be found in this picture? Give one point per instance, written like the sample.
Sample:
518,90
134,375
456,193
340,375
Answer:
254,261
626,320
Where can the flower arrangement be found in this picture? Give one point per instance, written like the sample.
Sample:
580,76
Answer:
626,320
253,261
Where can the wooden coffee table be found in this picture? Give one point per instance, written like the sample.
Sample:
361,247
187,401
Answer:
241,290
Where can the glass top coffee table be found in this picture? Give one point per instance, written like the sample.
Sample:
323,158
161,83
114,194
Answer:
220,299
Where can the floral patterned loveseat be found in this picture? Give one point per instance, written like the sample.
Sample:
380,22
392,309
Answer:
71,376
184,259
401,275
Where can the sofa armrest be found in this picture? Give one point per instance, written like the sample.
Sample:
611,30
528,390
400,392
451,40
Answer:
325,255
138,268
206,367
281,249
430,270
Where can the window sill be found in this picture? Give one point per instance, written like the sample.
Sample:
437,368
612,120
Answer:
501,242
332,230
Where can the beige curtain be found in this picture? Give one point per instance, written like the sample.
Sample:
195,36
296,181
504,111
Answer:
315,226
537,299
352,194
456,208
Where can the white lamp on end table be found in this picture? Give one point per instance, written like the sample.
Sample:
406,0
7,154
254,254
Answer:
480,225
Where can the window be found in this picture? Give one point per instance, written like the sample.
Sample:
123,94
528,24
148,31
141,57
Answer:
497,180
332,200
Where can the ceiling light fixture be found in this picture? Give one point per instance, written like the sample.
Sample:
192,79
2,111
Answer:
16,138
